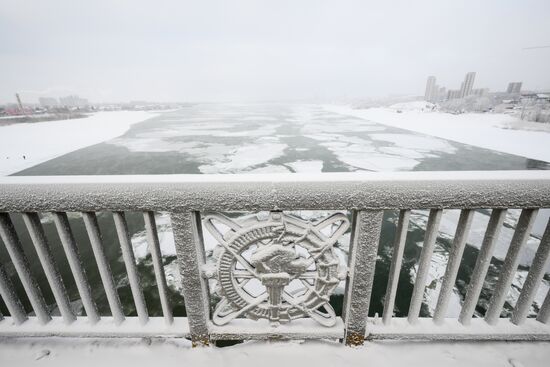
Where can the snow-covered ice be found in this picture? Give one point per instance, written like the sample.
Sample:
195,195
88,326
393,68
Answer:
165,236
24,145
500,132
400,152
245,156
307,166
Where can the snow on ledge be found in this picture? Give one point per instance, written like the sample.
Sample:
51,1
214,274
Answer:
177,352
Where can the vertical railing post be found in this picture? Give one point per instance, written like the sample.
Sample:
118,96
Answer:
482,266
7,291
190,252
366,226
94,233
21,264
430,237
130,264
45,256
396,261
544,312
534,279
510,266
156,256
455,257
73,258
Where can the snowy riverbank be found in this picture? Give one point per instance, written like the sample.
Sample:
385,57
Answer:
27,144
500,132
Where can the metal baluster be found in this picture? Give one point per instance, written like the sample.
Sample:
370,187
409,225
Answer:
396,261
523,230
71,251
424,264
11,300
130,263
92,227
154,248
544,312
32,221
534,278
365,239
455,256
482,265
19,260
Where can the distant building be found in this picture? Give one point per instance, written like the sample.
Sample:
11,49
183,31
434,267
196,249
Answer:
514,88
431,90
480,92
73,101
442,93
467,84
47,102
435,93
452,94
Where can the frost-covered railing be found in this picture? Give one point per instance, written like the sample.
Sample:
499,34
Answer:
267,251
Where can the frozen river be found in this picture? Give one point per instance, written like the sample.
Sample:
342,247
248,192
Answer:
211,138
272,138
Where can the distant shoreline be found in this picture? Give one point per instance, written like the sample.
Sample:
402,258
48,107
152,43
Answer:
10,120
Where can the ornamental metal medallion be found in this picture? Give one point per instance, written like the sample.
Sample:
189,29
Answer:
280,268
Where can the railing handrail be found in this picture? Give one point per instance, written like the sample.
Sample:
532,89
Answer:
359,191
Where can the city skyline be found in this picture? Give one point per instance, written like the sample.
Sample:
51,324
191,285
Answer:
433,92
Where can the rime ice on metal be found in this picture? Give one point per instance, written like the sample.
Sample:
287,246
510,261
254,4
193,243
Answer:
263,261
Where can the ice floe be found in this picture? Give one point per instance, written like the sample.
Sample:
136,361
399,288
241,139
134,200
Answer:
306,166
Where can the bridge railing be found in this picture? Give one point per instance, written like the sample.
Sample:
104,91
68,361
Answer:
194,202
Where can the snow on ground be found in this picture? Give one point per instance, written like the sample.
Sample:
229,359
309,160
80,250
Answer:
498,132
27,144
61,352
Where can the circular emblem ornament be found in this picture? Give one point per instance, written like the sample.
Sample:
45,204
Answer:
280,269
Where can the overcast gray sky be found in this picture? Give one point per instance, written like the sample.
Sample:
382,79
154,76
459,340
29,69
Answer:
258,50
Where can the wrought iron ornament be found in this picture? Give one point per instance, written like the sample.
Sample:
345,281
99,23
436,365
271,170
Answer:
263,262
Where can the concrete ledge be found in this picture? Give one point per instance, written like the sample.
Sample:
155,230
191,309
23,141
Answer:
81,328
451,329
242,329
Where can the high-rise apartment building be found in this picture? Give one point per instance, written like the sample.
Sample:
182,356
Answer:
514,88
467,84
431,89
